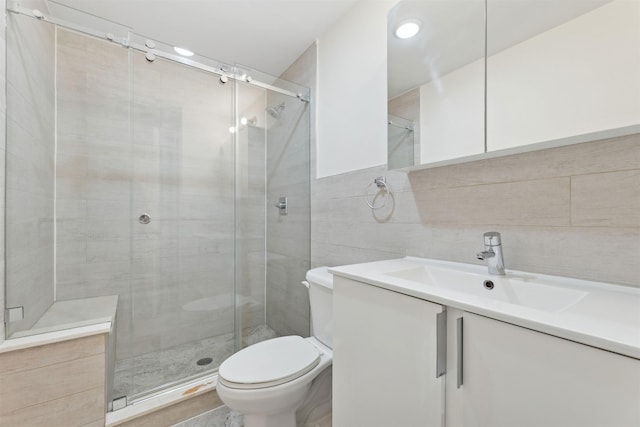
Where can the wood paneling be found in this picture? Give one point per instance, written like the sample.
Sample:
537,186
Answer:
179,412
36,357
60,384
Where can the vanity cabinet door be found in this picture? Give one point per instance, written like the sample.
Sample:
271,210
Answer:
385,354
514,376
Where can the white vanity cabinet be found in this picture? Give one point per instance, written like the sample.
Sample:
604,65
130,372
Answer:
514,376
497,374
385,358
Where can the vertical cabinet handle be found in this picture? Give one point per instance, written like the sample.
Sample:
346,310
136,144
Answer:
441,344
460,351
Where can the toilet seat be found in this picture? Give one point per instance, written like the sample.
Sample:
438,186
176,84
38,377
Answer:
269,363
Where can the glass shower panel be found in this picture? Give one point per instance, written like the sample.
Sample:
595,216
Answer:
274,125
182,220
93,175
288,236
250,210
30,171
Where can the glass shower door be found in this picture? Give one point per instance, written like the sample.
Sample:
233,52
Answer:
182,222
273,249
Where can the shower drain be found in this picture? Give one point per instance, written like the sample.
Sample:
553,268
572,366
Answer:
204,361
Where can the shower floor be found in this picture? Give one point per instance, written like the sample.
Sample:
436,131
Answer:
153,370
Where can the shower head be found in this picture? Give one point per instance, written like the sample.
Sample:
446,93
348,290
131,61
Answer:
275,111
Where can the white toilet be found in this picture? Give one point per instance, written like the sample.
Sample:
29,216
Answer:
268,381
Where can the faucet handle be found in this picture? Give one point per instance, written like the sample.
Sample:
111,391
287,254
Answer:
492,238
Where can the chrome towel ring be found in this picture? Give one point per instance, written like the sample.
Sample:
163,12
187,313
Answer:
382,185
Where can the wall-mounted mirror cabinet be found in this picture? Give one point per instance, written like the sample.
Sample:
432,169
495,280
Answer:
490,77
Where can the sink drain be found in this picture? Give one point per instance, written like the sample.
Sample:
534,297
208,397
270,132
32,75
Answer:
488,284
204,361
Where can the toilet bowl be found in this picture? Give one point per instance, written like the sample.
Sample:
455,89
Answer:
267,382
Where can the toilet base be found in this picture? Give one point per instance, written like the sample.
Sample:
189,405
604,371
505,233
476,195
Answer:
275,420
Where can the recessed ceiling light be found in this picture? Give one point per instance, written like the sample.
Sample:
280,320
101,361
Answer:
183,51
408,28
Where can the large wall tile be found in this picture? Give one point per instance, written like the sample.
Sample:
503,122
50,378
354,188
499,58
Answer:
606,199
541,202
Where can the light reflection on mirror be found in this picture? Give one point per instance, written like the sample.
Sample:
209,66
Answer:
557,72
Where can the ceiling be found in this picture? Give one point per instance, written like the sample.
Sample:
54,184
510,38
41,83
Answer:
267,35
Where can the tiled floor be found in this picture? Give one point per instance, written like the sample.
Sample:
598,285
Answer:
314,412
156,369
223,417
220,417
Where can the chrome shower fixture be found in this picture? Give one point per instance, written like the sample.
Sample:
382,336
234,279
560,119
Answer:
275,111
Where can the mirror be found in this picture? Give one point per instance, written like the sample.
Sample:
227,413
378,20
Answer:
556,73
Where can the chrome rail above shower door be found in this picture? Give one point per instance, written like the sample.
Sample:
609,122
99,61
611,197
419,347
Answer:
157,49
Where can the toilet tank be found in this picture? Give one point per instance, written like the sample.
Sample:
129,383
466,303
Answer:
321,301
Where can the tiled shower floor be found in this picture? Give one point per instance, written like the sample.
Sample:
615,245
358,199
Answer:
152,370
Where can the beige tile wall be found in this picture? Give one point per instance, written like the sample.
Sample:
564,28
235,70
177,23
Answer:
570,211
59,384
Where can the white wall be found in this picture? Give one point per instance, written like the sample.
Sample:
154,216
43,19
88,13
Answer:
352,91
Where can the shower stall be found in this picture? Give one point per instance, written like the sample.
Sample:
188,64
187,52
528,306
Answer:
172,190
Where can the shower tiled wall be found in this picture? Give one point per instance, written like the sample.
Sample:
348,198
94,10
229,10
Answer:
30,167
160,147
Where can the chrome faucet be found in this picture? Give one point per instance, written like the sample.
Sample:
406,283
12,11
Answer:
493,253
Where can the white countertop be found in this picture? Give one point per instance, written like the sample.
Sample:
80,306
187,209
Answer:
607,317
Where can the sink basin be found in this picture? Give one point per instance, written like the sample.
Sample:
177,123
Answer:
524,291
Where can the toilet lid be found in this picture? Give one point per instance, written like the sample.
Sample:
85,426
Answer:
269,363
